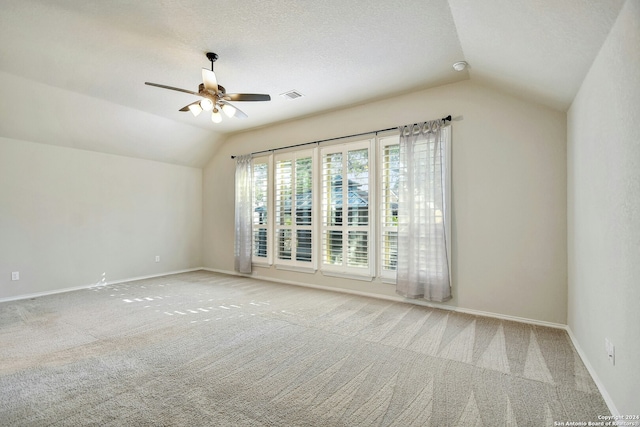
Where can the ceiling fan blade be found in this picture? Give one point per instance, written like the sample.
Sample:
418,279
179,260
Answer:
247,97
173,88
238,113
209,80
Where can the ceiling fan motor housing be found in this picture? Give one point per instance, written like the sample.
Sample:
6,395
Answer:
201,89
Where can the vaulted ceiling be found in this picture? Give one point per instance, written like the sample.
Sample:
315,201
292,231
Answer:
72,72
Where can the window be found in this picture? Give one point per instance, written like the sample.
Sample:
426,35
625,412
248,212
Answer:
332,208
388,187
346,211
294,209
261,217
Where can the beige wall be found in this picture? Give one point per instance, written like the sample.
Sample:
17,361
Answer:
604,212
71,218
509,195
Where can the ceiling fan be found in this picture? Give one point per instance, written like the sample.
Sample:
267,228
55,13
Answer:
215,97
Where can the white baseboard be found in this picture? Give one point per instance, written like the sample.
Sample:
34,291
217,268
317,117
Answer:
603,391
398,298
93,285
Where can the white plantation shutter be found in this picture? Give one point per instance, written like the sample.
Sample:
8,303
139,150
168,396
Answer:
304,208
332,253
346,210
388,187
294,209
283,197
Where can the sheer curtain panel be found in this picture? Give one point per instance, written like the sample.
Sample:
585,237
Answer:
243,206
423,262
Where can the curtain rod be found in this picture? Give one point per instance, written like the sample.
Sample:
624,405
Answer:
444,119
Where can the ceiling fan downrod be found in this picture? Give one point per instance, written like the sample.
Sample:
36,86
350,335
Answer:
213,57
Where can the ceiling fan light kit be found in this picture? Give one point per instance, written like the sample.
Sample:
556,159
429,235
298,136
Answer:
195,109
206,104
215,97
216,117
229,110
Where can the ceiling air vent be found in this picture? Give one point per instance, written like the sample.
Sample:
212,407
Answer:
292,94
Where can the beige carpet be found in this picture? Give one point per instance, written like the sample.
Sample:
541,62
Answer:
206,349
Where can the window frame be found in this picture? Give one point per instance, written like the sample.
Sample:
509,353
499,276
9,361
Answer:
376,146
344,270
294,264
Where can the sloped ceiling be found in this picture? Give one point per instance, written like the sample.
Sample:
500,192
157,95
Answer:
72,72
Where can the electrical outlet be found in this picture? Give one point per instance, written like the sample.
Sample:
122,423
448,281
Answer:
611,351
157,258
15,275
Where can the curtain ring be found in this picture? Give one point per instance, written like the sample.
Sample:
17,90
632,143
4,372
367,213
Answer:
433,126
423,127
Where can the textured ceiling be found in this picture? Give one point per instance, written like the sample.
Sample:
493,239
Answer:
82,56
